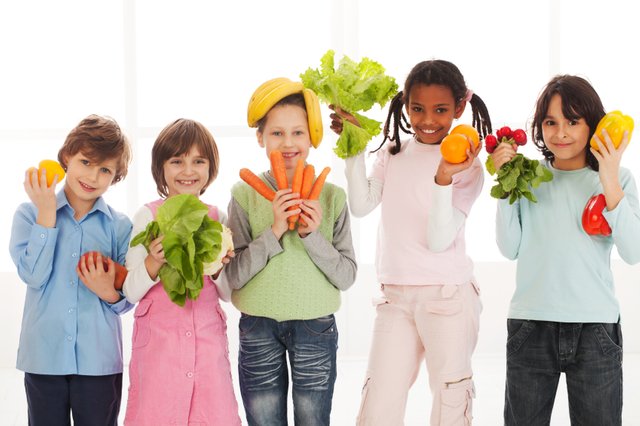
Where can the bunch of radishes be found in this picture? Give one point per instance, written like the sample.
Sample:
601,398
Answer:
516,137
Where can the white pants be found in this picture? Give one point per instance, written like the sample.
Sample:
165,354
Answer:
436,323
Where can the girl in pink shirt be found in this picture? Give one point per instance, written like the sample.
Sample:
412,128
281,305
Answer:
179,371
431,307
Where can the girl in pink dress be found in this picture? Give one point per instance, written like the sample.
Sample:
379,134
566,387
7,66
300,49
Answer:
179,371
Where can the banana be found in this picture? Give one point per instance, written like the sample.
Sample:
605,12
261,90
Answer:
267,95
314,117
271,92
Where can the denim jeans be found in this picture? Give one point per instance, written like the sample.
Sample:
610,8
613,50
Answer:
590,355
264,376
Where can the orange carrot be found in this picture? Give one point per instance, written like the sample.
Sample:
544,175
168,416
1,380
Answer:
316,189
258,184
296,186
307,181
278,169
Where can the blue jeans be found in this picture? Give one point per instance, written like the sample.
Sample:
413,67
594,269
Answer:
264,376
590,355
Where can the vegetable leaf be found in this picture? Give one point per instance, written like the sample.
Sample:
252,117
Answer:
516,178
354,87
191,238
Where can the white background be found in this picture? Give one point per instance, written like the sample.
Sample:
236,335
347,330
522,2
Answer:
146,63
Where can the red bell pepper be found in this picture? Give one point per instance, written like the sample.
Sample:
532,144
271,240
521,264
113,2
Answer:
593,221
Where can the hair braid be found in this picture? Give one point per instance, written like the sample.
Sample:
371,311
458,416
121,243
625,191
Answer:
480,116
397,120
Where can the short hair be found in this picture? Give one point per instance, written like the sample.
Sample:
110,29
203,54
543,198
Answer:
99,138
296,99
177,139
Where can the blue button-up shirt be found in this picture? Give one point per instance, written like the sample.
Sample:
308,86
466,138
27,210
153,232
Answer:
66,328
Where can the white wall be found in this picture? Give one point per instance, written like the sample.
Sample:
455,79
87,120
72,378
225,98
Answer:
148,62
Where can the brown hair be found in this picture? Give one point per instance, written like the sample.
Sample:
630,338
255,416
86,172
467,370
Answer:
177,139
99,138
579,100
296,99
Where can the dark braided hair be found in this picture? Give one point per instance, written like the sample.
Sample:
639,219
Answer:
438,72
579,100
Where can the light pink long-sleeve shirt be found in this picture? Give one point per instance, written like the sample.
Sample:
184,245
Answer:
408,193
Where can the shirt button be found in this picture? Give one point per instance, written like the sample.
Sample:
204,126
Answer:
69,338
42,236
71,283
189,374
188,333
70,310
74,255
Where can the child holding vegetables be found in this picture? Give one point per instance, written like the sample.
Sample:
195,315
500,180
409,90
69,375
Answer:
71,339
564,316
179,370
287,282
431,306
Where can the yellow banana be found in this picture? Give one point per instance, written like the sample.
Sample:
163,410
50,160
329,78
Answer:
314,117
267,95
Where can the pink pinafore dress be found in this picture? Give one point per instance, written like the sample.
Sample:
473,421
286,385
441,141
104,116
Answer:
179,372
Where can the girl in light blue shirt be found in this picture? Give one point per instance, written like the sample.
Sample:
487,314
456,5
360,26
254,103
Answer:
564,315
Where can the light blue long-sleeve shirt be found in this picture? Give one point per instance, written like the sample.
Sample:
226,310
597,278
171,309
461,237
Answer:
564,274
66,328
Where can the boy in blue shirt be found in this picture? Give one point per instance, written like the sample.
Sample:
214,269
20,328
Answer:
71,341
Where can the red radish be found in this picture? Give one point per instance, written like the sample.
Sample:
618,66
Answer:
121,271
504,132
490,143
519,136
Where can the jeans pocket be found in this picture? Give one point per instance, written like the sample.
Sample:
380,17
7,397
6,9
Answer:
517,333
322,326
609,337
247,323
141,326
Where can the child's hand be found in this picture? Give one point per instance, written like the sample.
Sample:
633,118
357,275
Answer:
155,258
96,279
338,116
609,164
446,170
283,200
226,259
312,216
503,153
43,197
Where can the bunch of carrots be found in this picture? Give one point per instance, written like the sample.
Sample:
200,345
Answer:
304,182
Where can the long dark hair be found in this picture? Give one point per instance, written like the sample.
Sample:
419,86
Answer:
438,72
579,100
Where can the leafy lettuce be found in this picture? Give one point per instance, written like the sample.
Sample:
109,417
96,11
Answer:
354,87
191,239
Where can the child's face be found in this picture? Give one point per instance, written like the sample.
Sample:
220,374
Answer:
87,180
431,109
186,174
286,130
566,139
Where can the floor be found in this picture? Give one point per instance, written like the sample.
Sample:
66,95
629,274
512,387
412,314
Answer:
489,379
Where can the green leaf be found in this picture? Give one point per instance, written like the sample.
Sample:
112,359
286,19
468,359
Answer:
497,191
191,238
510,181
354,87
491,168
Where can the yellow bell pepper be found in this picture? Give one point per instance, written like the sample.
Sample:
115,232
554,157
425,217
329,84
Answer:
615,122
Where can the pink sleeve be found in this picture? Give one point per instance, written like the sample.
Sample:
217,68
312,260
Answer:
467,186
379,166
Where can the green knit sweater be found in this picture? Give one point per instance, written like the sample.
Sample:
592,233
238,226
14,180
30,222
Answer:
290,286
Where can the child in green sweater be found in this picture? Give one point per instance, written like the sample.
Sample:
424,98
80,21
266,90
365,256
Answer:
285,282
